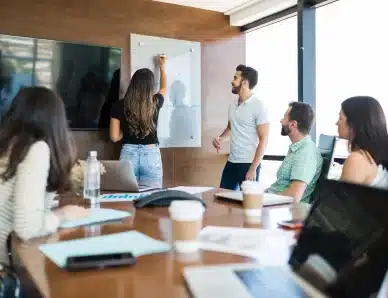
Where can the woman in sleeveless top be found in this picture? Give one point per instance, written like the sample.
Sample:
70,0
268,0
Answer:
134,122
362,122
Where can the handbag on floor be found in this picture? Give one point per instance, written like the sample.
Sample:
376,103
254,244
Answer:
9,281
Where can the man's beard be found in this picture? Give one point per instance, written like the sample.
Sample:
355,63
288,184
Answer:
236,89
285,130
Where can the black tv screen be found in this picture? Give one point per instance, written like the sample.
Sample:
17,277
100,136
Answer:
86,77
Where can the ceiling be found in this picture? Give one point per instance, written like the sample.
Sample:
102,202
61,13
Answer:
224,6
240,12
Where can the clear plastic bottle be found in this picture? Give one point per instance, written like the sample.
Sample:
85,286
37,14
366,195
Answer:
92,179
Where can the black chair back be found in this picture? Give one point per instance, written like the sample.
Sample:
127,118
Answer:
326,145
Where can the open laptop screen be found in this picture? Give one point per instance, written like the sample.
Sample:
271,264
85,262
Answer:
343,247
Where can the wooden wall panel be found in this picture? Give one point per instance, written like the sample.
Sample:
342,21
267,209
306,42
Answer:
110,23
203,166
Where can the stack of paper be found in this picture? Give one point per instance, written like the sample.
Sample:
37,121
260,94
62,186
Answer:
269,246
135,242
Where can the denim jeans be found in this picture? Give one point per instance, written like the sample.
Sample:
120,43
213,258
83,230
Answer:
234,175
146,164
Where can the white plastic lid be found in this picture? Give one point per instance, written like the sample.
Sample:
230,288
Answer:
251,187
93,153
186,210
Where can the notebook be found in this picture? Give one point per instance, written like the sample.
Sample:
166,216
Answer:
97,215
133,241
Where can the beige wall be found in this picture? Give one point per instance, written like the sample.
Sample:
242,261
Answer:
110,23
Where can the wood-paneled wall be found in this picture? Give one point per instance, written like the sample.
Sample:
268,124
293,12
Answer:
110,23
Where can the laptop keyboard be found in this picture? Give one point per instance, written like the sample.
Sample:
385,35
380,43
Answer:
270,282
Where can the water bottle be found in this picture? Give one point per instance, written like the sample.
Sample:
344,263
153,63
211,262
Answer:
92,179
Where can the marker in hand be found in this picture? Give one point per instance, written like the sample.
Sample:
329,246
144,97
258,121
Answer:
162,59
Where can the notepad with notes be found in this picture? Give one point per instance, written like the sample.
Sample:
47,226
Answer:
97,215
135,242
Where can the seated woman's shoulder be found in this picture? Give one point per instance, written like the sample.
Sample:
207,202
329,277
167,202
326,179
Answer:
359,157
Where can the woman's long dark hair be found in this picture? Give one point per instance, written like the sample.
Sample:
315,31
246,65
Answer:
38,114
367,126
140,104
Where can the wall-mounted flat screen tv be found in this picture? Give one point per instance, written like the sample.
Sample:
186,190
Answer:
86,77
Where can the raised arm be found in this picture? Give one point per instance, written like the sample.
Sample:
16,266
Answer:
163,76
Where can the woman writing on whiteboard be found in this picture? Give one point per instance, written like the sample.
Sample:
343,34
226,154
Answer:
134,122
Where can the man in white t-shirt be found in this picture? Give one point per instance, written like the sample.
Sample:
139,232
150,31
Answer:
248,129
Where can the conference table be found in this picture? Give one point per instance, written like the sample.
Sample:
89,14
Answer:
156,275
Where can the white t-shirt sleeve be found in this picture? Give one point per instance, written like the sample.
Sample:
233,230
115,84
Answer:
261,113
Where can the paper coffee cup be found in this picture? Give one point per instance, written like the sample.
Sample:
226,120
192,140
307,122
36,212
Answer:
186,219
253,195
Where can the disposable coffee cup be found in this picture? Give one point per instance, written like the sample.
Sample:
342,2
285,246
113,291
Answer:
186,219
253,195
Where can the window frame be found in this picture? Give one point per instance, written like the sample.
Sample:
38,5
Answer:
33,59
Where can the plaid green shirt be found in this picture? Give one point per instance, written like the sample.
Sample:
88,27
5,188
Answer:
303,163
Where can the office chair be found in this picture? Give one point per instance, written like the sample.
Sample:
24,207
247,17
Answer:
326,145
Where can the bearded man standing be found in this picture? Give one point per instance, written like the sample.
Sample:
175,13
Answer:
247,129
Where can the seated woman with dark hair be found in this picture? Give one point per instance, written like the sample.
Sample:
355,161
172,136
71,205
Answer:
362,122
36,157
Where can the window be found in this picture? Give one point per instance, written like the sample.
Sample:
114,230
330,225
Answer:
272,51
29,60
351,57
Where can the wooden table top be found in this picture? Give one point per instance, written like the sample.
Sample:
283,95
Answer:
158,275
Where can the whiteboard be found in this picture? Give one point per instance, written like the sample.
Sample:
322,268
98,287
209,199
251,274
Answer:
180,118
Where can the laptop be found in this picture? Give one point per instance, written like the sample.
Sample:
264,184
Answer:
269,198
120,177
341,252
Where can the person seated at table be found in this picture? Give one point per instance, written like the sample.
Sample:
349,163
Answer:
300,169
362,122
36,156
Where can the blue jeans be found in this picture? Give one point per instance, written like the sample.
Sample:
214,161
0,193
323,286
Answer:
234,175
146,163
